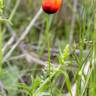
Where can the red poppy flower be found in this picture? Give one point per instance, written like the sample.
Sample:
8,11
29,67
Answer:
51,6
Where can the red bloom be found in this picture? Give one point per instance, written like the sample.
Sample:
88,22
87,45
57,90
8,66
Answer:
51,6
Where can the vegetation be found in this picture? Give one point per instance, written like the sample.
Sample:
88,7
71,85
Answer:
47,55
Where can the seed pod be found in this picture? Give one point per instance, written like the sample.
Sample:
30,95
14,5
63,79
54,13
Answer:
51,6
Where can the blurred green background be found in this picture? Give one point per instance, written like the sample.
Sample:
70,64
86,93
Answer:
26,71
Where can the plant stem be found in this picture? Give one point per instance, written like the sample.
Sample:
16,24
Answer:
49,60
48,44
1,12
0,50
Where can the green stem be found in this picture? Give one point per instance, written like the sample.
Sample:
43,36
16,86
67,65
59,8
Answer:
49,60
48,44
1,12
48,41
0,49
